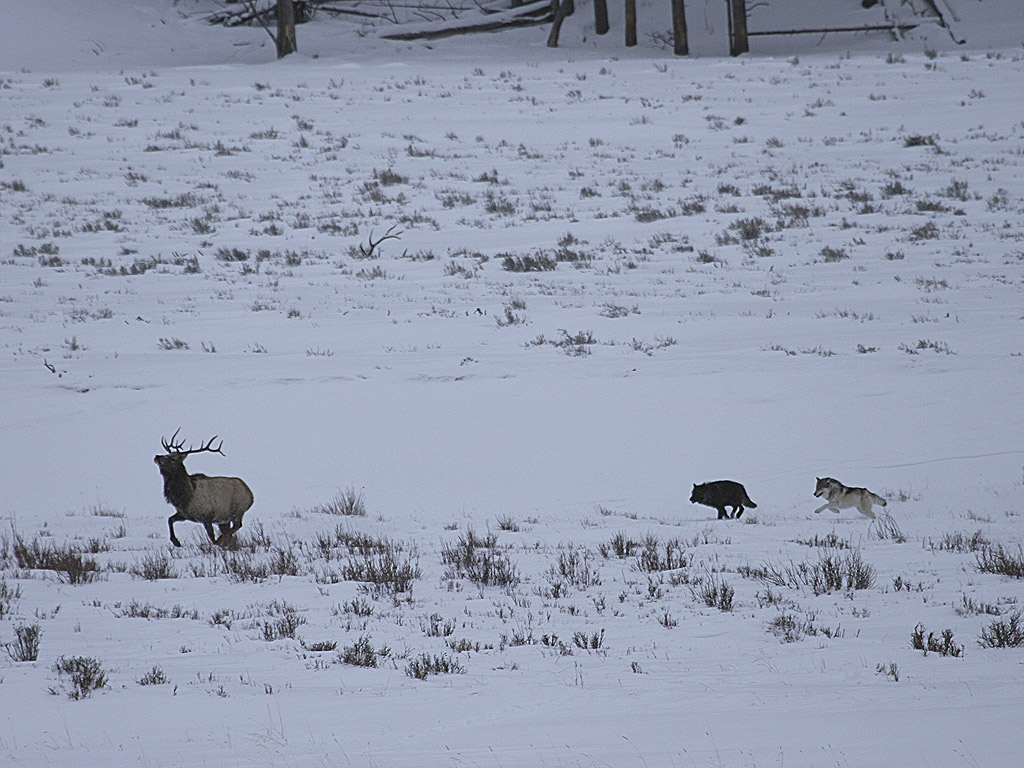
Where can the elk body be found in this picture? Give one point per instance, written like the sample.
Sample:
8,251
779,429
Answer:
219,501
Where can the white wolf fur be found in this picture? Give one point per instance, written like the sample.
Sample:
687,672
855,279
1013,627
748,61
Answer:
838,496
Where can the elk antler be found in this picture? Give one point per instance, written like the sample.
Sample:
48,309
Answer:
172,447
207,447
387,236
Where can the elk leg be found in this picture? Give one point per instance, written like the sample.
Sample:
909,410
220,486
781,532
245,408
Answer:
209,532
227,532
170,524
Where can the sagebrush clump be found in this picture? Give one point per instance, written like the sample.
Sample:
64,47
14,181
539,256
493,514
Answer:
78,676
479,560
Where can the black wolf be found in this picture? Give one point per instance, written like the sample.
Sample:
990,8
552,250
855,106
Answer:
721,494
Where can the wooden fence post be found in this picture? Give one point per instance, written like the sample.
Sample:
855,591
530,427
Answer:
630,23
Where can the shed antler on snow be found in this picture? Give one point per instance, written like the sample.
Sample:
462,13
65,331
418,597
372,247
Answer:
373,245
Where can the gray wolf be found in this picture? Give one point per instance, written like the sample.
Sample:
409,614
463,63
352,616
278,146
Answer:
838,496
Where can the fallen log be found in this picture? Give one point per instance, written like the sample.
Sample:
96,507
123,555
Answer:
943,21
830,30
525,15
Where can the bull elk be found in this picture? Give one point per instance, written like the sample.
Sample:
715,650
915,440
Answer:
219,501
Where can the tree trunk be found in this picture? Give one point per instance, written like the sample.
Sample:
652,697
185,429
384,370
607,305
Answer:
630,23
285,28
601,17
682,45
565,8
738,26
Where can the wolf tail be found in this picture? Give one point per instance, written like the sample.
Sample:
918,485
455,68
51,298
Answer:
747,502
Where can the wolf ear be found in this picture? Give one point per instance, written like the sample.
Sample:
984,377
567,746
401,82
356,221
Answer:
818,479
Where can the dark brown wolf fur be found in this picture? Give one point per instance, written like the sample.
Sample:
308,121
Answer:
721,494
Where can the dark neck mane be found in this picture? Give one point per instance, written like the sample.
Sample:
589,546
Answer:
178,487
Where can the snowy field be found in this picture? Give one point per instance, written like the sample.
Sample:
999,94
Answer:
470,325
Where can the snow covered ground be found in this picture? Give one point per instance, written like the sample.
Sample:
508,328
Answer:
768,269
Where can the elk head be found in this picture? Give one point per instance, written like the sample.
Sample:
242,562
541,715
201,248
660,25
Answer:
176,451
